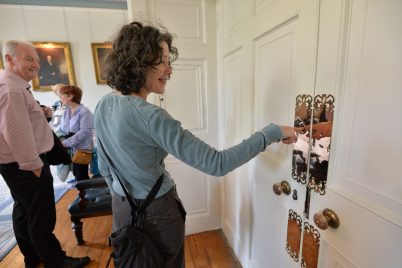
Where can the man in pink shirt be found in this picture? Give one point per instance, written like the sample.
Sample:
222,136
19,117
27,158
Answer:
25,137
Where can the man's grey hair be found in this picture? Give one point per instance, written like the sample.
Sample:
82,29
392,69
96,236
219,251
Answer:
9,47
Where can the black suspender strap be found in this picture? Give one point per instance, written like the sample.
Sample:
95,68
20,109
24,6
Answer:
135,209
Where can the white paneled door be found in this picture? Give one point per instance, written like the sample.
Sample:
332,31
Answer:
274,51
191,97
360,63
268,58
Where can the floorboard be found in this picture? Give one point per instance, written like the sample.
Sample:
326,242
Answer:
204,250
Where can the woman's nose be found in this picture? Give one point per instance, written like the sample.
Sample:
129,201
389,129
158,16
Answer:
169,70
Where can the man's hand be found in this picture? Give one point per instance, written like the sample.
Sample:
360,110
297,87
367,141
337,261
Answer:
37,172
47,111
320,130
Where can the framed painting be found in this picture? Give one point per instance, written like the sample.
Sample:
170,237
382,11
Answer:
1,62
56,66
99,53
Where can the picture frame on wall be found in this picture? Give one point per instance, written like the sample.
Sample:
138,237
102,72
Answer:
99,53
56,66
1,62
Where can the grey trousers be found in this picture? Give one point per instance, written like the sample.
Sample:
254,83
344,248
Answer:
164,222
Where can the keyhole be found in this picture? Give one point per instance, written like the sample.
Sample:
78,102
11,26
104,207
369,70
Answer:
294,196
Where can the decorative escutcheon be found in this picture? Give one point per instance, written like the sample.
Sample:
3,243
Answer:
326,218
280,187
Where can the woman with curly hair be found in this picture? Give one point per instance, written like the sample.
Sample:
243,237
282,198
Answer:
137,136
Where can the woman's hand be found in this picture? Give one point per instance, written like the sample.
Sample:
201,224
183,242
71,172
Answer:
289,134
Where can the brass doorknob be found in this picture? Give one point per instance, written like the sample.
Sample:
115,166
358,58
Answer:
280,187
325,218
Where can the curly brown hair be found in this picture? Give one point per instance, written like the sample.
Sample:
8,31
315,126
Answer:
136,47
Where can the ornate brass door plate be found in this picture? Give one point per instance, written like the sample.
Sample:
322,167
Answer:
301,146
321,130
311,246
294,235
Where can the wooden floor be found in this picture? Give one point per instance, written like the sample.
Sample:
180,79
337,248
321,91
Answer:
203,250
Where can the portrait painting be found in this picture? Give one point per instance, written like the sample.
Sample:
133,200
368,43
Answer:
1,62
56,66
99,53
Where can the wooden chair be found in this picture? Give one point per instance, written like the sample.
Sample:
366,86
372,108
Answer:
93,200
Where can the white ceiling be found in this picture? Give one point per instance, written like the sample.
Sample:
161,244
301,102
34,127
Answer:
112,4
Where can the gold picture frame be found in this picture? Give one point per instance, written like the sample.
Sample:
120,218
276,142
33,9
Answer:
56,66
99,52
1,62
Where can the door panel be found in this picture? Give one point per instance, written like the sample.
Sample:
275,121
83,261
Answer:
268,248
373,94
190,73
269,50
232,95
284,68
273,73
364,186
333,257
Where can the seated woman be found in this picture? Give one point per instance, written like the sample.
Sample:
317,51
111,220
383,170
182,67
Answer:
57,109
77,126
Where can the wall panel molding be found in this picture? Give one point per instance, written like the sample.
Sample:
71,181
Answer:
170,14
272,83
232,86
193,71
232,16
331,257
197,202
260,5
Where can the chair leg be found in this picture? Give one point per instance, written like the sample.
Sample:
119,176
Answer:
77,228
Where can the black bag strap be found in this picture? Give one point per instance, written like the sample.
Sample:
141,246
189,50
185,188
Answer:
135,209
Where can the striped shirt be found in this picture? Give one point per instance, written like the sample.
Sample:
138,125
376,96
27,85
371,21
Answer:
24,131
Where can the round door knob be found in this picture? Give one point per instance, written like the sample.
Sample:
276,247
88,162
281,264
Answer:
326,218
280,187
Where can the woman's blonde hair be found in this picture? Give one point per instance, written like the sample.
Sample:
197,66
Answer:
56,88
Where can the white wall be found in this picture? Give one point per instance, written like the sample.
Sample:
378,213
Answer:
78,26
